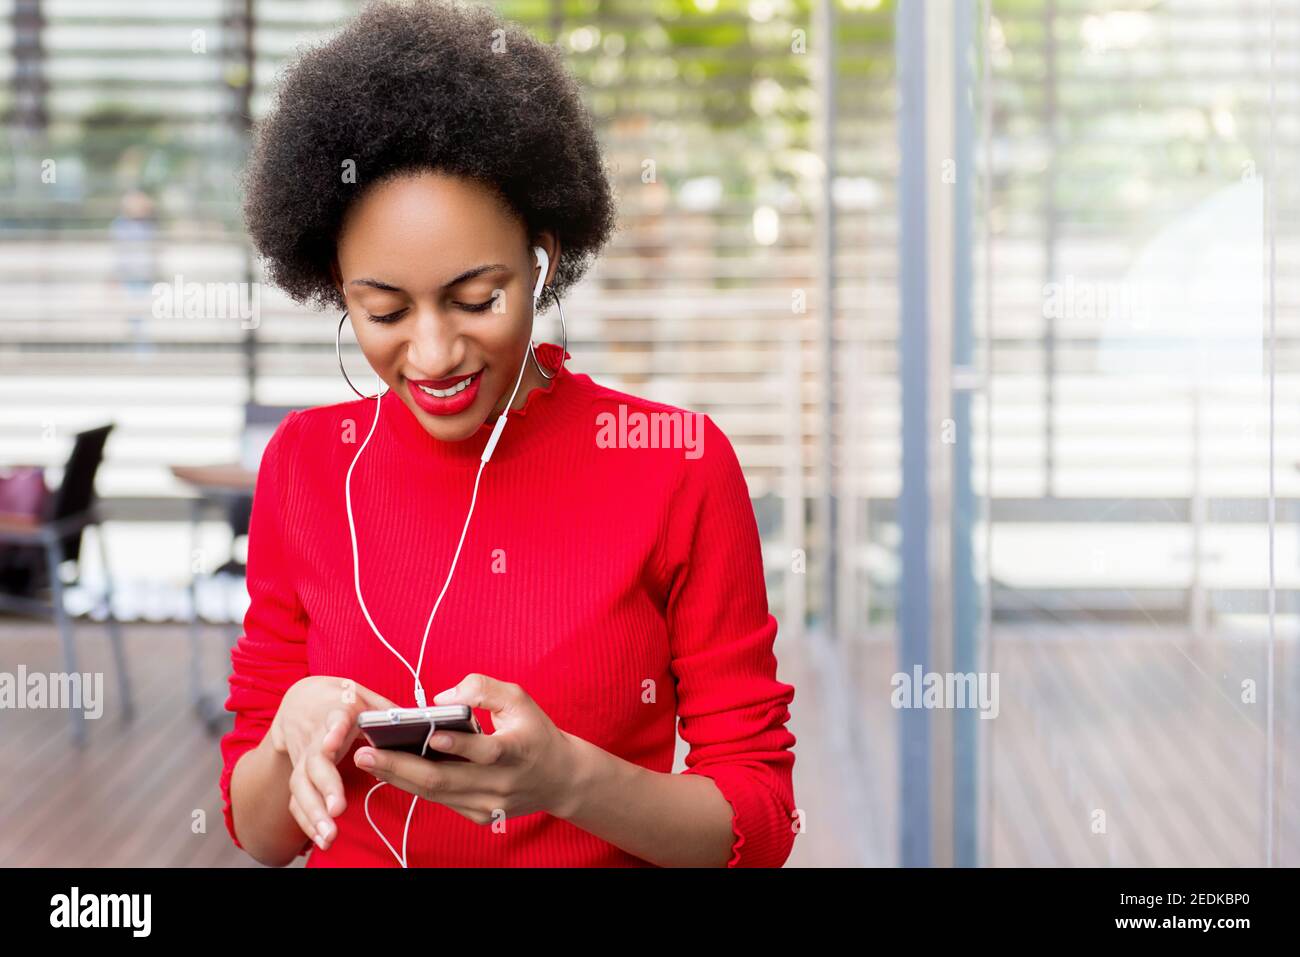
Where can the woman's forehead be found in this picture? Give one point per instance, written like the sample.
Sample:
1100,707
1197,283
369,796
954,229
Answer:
430,200
447,224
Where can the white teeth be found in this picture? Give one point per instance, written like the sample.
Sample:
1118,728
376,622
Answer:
448,393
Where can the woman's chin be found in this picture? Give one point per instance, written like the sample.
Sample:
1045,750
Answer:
452,428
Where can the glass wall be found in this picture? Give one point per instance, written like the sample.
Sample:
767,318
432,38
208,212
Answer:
1140,459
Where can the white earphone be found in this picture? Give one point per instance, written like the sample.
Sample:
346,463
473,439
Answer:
543,261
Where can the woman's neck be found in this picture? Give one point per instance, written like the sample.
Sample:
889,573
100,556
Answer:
532,380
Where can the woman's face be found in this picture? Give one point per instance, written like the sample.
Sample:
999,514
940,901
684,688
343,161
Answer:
438,278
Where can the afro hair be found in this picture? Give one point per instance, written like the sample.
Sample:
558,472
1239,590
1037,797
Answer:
427,85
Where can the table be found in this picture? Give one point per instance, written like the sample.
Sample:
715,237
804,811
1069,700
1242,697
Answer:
222,485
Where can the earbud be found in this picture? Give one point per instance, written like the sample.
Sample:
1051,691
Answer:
544,261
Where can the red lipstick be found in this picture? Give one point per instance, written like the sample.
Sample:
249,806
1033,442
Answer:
447,404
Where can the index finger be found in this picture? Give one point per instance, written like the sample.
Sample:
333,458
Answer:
339,726
341,722
372,700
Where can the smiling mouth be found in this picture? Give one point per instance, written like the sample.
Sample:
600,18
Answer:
447,393
449,396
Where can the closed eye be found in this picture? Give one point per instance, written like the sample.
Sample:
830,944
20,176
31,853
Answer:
467,306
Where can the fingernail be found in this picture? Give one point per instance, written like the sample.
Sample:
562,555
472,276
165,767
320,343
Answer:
323,829
332,803
440,741
365,759
320,841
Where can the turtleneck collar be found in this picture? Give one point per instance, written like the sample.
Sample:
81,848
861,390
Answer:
401,425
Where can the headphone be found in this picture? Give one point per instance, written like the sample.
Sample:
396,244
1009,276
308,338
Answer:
543,261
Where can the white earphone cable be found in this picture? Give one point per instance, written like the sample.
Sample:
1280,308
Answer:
543,261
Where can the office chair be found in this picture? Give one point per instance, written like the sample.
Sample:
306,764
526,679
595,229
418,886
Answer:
40,546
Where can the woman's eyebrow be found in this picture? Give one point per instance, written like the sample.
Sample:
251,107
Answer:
375,284
476,271
467,274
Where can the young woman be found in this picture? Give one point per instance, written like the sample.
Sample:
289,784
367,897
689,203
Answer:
427,171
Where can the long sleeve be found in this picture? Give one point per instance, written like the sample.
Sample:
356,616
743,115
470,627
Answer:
731,707
272,652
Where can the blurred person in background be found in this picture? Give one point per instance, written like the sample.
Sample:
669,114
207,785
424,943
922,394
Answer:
134,232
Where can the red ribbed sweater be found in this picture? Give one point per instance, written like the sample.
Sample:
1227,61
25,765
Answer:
621,587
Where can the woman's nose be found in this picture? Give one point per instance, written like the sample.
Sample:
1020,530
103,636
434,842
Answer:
433,349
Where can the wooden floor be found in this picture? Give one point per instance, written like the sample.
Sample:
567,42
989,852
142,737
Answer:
1148,729
1142,725
1145,727
131,797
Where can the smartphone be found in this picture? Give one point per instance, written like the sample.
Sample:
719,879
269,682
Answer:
407,729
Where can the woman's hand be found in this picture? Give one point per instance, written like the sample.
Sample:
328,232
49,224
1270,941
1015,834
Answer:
526,765
315,725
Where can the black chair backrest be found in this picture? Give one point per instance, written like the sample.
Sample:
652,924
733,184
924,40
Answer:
76,493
